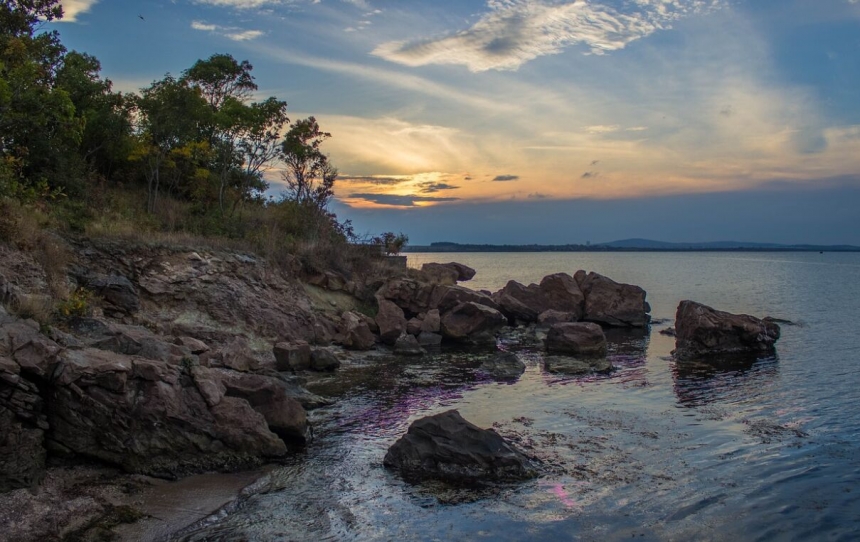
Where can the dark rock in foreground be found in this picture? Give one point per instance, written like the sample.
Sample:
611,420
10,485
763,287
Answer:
577,338
611,303
505,366
471,322
447,447
703,332
407,345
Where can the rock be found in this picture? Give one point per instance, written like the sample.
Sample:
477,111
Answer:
356,334
195,346
425,338
446,298
117,292
613,304
703,332
469,320
577,338
432,321
391,321
292,356
150,417
236,355
440,273
576,366
520,302
407,345
128,340
408,294
558,292
563,294
464,272
267,395
669,332
323,359
550,317
22,430
447,447
413,326
505,366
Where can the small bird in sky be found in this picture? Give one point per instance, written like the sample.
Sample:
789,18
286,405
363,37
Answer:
141,17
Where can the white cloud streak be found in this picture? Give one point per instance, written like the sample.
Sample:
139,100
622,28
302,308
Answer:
517,31
231,33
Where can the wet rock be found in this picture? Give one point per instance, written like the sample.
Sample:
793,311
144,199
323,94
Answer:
408,294
323,359
391,321
704,332
520,302
504,366
292,356
472,322
563,294
413,326
407,345
576,366
117,292
447,447
577,338
426,338
611,303
356,333
464,272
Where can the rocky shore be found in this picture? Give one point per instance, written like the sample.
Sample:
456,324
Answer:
190,361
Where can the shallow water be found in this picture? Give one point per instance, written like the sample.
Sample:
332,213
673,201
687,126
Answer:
767,450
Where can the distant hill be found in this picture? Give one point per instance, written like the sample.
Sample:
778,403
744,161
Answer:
632,245
648,244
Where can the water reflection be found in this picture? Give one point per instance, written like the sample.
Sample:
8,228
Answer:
698,383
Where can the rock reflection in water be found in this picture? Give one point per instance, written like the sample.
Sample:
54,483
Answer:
699,383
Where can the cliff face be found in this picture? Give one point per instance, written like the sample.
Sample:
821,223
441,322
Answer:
168,371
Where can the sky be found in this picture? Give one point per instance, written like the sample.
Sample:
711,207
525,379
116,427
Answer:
541,121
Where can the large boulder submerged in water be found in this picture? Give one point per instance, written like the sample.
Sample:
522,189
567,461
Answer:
611,303
584,339
447,447
704,332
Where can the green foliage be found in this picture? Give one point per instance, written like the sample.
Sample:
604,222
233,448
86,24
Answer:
309,176
392,243
78,304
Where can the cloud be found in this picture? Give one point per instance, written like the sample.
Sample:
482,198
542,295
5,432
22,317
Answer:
432,187
387,181
241,4
589,175
503,178
73,8
231,33
601,129
537,195
398,200
514,32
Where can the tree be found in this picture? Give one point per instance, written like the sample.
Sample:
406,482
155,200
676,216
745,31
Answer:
309,176
220,77
391,242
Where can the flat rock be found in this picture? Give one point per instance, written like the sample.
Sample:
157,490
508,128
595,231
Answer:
504,366
584,339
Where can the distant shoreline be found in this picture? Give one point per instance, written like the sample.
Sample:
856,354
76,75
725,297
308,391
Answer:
417,249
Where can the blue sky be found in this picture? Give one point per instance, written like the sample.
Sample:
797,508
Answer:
682,120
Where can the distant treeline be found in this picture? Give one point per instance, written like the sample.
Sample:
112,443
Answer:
457,247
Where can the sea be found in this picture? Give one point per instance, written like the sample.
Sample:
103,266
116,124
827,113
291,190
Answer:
657,450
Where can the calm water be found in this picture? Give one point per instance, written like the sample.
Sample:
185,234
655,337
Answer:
656,451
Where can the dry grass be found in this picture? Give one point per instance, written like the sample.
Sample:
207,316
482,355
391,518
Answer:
37,307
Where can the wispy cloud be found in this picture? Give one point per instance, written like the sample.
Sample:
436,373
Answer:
432,187
371,179
397,200
517,31
73,8
504,178
242,4
231,33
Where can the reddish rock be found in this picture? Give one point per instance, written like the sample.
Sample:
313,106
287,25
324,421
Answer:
446,298
550,317
439,273
562,293
356,333
703,332
292,356
391,321
431,322
576,338
469,320
613,304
